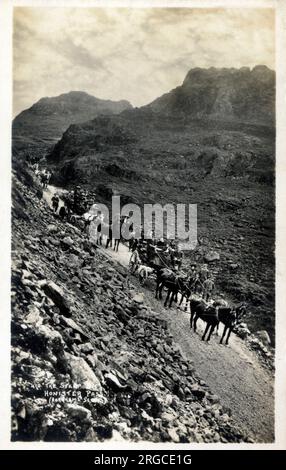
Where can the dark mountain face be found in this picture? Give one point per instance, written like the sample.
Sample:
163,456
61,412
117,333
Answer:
241,95
43,124
220,122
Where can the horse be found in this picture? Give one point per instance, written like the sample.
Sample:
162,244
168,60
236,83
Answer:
186,295
191,288
213,315
230,319
172,281
207,313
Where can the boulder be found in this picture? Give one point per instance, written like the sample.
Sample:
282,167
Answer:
53,241
67,242
82,374
121,314
198,391
168,417
79,412
234,266
86,348
113,382
242,332
52,228
264,337
72,324
173,435
213,398
57,295
212,256
73,261
50,339
138,298
33,317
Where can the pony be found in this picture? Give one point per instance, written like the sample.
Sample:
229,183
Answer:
208,313
213,315
172,281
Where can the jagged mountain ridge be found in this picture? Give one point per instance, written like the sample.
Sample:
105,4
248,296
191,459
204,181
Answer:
228,95
242,95
44,122
240,100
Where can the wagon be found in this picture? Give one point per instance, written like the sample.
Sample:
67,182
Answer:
155,259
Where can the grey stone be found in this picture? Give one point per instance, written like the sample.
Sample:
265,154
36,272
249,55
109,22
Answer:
58,296
173,435
82,374
79,412
263,336
212,256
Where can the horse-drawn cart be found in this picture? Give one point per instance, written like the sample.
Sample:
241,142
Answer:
147,262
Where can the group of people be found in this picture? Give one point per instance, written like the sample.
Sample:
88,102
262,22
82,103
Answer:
44,175
200,281
155,251
151,251
68,208
167,254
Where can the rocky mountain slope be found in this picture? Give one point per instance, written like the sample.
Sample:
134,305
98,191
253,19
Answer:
42,125
90,360
241,95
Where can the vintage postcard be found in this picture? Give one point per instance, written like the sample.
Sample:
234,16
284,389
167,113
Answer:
144,153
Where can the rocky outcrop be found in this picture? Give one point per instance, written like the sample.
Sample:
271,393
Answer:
111,369
92,137
43,123
243,95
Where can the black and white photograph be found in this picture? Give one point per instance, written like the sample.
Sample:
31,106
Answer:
143,173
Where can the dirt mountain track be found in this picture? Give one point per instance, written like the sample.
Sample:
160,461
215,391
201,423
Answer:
233,372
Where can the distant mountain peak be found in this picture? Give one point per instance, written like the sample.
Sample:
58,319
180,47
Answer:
215,72
45,121
244,95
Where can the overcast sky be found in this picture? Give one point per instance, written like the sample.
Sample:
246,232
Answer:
134,54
